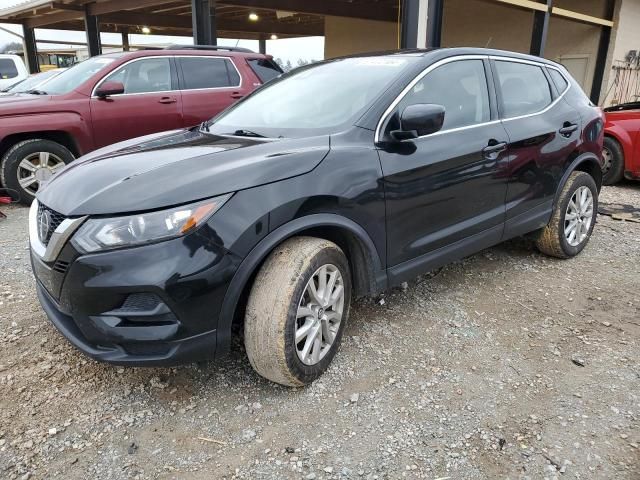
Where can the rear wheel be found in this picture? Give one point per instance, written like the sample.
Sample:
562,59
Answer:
613,169
573,219
28,164
297,310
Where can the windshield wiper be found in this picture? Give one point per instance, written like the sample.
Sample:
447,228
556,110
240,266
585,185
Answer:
247,133
35,91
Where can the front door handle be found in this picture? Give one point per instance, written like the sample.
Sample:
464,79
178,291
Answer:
167,100
494,147
237,95
567,129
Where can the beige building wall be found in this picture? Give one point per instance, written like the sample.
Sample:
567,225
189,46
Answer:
481,23
468,23
345,36
624,37
575,45
465,23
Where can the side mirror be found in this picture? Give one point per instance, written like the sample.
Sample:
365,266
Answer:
109,88
419,120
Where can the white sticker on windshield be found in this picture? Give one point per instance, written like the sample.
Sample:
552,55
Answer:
381,62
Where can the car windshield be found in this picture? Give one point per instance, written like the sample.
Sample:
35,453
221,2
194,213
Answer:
312,100
78,74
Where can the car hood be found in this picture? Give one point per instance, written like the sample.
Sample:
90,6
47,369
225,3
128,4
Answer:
173,168
8,99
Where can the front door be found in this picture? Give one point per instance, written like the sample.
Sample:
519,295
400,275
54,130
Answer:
445,192
151,102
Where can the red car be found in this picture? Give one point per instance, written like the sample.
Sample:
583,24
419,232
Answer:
115,97
621,150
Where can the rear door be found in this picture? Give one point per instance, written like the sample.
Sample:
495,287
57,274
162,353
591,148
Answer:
544,131
150,103
209,85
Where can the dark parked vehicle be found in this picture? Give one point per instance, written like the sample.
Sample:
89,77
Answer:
337,180
117,96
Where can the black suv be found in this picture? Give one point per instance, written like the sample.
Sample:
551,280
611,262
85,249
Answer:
336,180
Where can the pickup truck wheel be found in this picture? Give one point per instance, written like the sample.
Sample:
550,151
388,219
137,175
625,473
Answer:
297,310
573,218
613,169
30,163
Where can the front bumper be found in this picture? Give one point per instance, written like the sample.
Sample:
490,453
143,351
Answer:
155,305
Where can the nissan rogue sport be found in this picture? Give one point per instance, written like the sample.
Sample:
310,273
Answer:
336,180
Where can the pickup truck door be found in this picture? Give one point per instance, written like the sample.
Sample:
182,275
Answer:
150,103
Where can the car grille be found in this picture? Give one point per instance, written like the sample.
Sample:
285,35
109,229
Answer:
47,222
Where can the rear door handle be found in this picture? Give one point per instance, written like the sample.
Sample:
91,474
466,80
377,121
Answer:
567,129
492,150
167,100
237,95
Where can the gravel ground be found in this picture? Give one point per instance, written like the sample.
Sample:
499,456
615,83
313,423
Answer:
507,364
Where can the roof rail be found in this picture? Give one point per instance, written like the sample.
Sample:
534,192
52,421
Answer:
208,47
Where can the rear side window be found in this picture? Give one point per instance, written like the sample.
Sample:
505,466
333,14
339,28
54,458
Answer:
202,72
265,69
558,79
8,68
525,89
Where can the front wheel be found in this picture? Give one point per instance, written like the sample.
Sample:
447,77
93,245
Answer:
28,164
573,218
297,310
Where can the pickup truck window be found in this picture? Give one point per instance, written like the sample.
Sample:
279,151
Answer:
143,76
203,72
78,74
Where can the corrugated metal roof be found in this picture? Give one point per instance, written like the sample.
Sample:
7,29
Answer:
13,6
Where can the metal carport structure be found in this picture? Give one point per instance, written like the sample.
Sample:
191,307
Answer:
403,23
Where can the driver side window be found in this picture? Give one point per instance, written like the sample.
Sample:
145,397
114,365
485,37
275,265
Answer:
460,87
144,76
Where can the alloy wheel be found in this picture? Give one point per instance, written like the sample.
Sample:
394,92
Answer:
319,314
579,216
36,168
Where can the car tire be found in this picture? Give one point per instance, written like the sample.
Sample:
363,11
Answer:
613,170
23,163
287,299
573,218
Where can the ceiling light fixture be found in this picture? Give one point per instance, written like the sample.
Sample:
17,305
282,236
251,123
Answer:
253,16
274,36
146,30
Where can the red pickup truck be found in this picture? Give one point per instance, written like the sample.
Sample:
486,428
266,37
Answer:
115,97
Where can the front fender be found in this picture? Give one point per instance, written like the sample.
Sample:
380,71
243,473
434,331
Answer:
257,255
70,123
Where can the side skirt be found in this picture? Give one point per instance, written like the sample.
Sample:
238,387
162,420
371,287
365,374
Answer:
529,221
429,261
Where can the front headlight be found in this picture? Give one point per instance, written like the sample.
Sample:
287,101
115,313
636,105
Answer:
131,230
